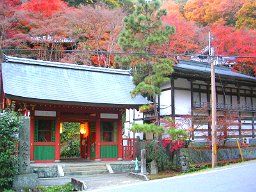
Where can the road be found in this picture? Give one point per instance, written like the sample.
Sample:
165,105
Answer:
234,178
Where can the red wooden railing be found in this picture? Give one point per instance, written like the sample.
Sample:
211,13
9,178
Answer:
129,149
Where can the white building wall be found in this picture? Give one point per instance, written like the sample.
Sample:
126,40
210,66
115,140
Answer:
182,100
132,116
165,103
182,83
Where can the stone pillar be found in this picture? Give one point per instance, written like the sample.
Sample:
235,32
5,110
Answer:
143,162
153,168
26,179
24,147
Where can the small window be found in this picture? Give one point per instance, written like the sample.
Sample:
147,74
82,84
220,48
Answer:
109,131
45,131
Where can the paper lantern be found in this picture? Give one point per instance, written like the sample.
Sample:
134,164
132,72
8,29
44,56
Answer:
84,128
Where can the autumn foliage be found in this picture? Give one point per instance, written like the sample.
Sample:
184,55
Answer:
45,7
52,25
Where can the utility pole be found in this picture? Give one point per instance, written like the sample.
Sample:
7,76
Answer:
213,105
214,119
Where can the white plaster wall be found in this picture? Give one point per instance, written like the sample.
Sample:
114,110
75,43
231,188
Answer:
203,97
183,123
138,114
130,114
181,83
182,100
196,97
200,82
254,101
166,85
228,99
165,103
231,85
248,101
234,100
203,133
242,101
220,99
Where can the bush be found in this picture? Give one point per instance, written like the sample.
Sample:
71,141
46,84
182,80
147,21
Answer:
72,150
154,151
70,140
9,125
61,188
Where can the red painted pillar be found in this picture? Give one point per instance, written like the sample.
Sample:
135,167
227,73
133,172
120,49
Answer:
97,155
89,142
57,138
120,137
32,130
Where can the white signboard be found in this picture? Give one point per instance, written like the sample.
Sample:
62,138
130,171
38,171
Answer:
45,113
108,116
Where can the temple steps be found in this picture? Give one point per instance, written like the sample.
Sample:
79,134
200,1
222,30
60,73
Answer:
84,169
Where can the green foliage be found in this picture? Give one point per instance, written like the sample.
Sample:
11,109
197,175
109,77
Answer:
195,168
9,126
71,150
154,151
70,131
152,80
143,35
61,188
246,16
178,134
147,128
147,107
70,140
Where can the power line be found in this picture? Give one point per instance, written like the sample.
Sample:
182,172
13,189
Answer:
127,53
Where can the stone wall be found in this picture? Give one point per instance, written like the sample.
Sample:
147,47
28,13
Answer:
189,156
123,167
46,172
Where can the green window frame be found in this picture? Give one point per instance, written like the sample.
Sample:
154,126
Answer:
44,130
109,131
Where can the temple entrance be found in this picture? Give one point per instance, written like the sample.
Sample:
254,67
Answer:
76,137
70,140
77,140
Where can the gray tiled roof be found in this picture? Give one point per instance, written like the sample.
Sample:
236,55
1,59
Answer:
29,79
205,68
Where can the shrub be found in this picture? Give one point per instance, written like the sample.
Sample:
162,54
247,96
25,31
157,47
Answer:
147,128
154,151
60,188
9,125
72,150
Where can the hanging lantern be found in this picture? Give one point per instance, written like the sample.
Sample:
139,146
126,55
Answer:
84,128
61,128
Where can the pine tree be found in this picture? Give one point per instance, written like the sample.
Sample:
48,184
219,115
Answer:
143,40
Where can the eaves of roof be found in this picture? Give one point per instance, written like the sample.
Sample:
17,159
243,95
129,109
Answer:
61,83
199,69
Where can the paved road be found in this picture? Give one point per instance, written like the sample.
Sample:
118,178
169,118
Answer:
235,178
93,182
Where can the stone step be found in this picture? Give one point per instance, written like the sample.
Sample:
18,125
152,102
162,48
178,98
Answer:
92,172
83,164
84,168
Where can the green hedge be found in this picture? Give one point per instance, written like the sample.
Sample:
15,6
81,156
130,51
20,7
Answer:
9,125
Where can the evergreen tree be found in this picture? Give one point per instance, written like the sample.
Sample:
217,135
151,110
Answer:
143,40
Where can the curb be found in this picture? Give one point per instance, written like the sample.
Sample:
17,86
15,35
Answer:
139,176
